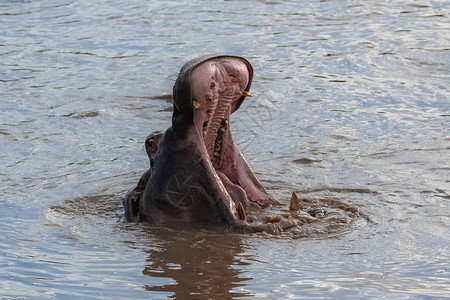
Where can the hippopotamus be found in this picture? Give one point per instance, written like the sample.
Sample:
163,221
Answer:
197,174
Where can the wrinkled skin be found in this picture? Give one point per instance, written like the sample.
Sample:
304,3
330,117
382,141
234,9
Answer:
196,171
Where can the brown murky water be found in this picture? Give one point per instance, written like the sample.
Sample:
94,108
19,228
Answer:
350,110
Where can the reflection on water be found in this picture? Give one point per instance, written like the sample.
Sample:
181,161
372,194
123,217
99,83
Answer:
350,108
183,260
195,263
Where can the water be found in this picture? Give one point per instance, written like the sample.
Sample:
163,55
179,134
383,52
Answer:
351,105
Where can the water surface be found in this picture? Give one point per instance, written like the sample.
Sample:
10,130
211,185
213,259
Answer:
351,105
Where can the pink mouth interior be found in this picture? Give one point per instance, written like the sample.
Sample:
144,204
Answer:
216,85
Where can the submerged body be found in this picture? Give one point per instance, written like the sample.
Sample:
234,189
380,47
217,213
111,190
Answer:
196,171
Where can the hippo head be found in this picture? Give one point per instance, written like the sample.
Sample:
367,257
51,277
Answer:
196,171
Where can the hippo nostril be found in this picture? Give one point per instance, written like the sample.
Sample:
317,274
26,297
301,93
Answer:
152,163
205,124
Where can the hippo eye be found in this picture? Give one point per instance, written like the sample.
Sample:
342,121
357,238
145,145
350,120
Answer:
150,143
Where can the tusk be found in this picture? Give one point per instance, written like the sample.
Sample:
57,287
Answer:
196,104
246,94
241,212
295,203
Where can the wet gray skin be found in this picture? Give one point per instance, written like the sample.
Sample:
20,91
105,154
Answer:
196,171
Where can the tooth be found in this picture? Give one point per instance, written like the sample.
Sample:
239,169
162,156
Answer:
273,219
286,215
246,94
196,104
241,212
295,203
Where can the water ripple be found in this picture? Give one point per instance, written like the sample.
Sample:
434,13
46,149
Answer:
351,106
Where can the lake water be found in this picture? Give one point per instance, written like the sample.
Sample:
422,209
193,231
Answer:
351,105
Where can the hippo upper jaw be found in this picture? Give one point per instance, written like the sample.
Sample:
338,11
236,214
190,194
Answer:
207,91
218,87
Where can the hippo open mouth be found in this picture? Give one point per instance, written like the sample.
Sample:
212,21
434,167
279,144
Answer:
218,87
196,171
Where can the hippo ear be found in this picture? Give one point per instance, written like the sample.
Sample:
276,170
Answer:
238,103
